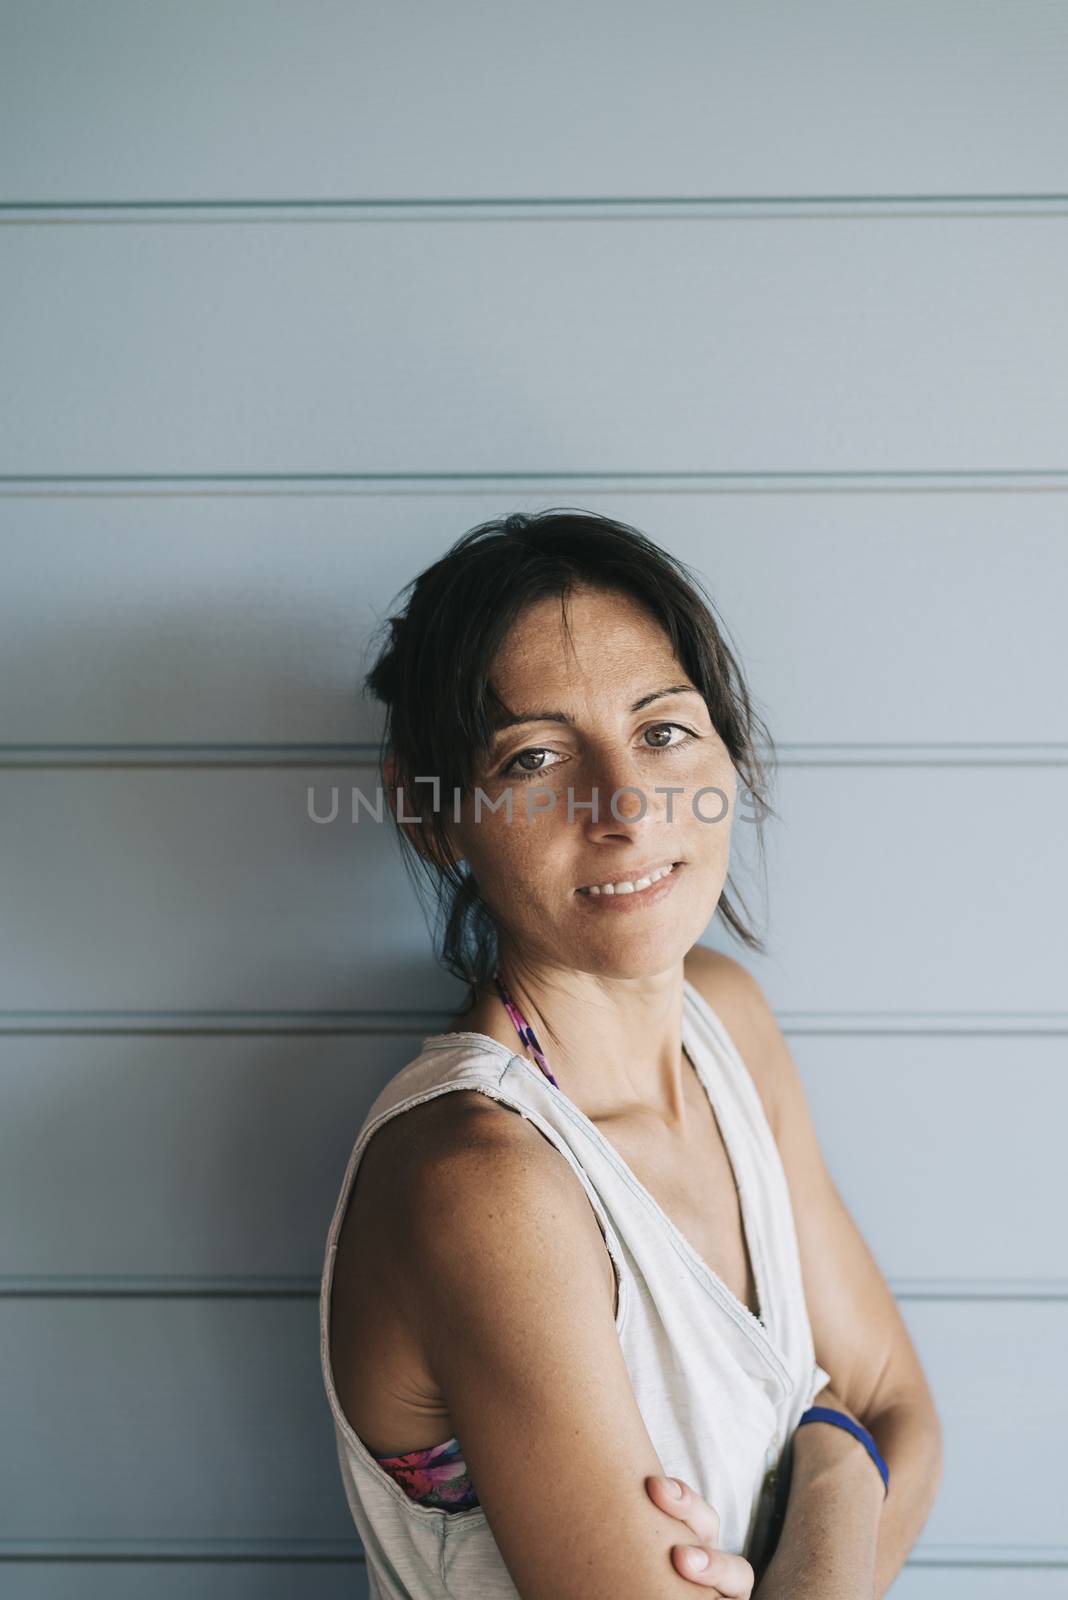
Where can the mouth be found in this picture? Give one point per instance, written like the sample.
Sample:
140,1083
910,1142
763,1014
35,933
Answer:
638,883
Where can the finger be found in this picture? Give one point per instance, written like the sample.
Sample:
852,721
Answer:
687,1560
728,1575
701,1518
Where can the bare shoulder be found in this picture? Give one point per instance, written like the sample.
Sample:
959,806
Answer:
745,1011
413,1162
503,1244
462,1127
428,1178
471,1159
433,1172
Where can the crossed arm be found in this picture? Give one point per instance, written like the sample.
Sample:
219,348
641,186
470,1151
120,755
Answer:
522,1359
834,1528
841,1540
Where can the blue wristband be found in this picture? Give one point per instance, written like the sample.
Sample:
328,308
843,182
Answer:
840,1420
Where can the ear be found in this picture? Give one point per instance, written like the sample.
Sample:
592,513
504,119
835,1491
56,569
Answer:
415,834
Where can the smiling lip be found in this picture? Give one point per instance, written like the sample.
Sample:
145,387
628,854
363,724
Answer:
638,900
630,877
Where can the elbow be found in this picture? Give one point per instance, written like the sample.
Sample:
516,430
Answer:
911,1429
931,1423
937,1453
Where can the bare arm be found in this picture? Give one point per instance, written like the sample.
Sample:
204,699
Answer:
911,1444
859,1334
508,1261
841,1540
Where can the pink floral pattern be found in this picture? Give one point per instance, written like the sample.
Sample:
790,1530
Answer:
436,1476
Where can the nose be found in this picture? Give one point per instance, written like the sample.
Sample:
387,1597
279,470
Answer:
623,801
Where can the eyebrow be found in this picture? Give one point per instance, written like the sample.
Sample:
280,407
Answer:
516,719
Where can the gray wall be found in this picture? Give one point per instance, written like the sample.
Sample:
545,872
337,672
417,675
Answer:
291,296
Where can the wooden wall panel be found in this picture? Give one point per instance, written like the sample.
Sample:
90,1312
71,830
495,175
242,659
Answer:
535,344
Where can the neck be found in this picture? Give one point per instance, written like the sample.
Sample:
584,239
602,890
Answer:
614,1045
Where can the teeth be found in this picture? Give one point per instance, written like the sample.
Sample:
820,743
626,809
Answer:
628,887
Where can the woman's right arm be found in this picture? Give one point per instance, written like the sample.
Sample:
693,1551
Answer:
505,1263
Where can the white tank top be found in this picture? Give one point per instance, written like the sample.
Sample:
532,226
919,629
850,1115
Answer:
720,1390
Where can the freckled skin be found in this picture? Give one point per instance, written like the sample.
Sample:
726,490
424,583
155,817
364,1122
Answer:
603,990
610,983
604,993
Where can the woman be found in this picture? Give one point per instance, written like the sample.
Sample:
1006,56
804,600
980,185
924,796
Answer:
531,1322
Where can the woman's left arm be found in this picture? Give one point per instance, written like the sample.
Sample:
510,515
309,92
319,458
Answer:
860,1337
840,1538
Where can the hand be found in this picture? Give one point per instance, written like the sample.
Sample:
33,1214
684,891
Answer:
728,1576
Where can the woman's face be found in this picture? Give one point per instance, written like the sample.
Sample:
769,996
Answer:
596,718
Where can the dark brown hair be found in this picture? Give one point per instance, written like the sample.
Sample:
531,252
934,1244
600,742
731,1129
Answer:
432,675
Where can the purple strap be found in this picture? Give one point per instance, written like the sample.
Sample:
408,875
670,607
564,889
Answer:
523,1028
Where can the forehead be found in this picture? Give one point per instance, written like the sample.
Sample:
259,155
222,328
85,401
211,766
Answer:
610,639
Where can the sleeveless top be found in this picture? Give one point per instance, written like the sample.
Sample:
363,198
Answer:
719,1389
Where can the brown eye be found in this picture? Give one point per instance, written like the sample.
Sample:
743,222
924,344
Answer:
512,769
665,727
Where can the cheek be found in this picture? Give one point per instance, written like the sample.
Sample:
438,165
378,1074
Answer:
724,777
713,815
508,859
706,769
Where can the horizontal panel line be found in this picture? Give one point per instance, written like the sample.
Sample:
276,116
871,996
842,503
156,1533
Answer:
891,1024
305,1286
73,1286
871,480
344,1550
499,208
971,1555
364,755
216,1551
927,1024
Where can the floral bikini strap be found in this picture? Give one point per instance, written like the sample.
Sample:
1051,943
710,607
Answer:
523,1028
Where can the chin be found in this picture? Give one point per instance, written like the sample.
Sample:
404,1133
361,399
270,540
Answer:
637,964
